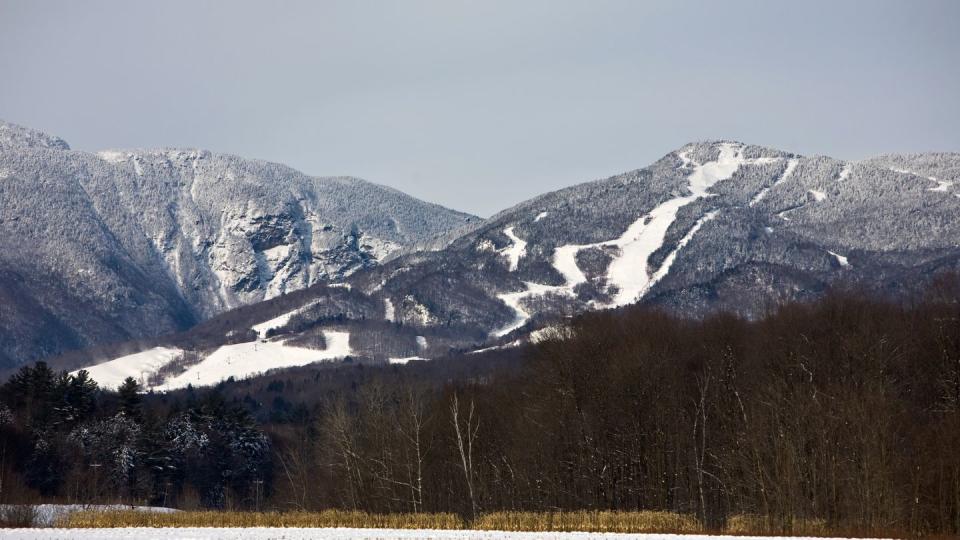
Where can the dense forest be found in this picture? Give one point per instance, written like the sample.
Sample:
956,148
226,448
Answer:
845,410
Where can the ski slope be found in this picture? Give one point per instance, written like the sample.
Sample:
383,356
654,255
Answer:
277,322
517,249
110,375
629,272
244,360
787,172
514,301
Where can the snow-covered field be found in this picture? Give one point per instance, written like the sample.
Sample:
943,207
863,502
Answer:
336,534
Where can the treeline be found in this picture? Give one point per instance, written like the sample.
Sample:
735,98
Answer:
63,439
844,412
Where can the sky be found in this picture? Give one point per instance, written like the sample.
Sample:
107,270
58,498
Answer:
478,105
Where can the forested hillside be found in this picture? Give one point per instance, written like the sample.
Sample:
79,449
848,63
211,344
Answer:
127,244
712,227
845,411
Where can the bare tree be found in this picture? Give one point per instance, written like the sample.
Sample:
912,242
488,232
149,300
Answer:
466,436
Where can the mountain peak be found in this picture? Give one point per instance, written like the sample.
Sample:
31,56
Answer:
17,136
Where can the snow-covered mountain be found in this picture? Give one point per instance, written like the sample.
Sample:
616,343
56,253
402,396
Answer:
712,226
133,243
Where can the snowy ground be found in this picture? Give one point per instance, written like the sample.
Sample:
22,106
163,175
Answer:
517,248
139,366
335,534
244,360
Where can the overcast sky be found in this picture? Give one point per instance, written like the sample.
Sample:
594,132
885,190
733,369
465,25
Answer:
479,105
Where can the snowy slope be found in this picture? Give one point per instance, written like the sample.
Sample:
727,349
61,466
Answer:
244,360
140,366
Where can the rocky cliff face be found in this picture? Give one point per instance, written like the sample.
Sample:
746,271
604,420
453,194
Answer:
126,244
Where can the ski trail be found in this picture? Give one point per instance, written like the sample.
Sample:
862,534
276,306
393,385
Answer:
943,186
787,172
517,249
668,262
629,272
513,301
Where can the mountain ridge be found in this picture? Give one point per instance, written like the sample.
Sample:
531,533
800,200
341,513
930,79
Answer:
127,244
713,226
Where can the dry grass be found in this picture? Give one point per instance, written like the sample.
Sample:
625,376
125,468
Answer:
755,524
326,518
585,521
589,521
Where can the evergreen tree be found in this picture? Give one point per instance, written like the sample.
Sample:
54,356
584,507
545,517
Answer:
130,399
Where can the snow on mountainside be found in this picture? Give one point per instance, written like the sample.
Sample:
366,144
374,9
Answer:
712,226
132,243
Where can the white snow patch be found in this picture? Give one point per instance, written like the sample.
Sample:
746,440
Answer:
942,185
845,172
817,195
405,360
421,342
346,286
565,261
277,322
768,230
517,249
844,262
389,312
110,375
540,216
515,343
113,156
244,360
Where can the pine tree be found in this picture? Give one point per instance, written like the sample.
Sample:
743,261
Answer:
130,399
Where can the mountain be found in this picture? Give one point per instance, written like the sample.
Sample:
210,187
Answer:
125,244
715,226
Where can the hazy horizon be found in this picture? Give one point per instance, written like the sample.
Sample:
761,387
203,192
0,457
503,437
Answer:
478,106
